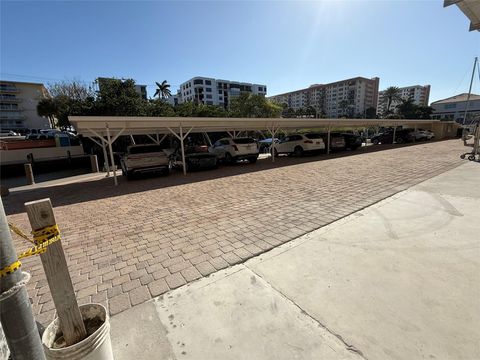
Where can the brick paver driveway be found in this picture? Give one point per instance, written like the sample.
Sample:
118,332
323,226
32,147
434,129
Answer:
129,243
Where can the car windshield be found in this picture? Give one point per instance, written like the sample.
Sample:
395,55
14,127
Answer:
313,136
145,149
243,141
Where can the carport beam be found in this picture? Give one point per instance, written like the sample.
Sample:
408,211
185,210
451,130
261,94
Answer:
111,156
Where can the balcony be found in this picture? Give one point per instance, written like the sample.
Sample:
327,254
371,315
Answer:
7,115
8,89
10,100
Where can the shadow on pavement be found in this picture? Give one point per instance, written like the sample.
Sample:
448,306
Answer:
72,193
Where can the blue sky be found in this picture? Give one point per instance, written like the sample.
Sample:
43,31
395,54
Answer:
285,45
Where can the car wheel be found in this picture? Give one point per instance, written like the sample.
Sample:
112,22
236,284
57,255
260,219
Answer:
471,157
298,151
399,140
228,158
252,159
375,142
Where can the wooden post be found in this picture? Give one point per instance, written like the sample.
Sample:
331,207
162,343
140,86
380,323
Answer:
94,163
40,214
29,174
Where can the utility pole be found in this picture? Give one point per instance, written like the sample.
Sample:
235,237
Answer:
15,309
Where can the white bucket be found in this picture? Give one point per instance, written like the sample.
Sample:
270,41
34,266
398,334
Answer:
96,346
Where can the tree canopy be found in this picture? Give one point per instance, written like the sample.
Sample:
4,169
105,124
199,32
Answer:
253,106
118,97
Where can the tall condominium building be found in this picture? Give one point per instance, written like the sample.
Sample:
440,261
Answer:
350,97
211,91
142,91
419,94
18,105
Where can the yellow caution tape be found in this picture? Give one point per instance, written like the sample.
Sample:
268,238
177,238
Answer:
10,269
41,238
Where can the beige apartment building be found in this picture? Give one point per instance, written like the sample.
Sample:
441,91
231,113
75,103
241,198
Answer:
350,97
418,93
18,105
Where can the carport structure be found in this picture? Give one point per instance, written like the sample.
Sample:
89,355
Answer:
104,130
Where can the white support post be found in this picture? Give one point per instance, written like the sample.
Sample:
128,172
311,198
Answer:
117,136
105,157
273,132
328,140
208,139
158,136
415,134
183,151
153,139
394,133
163,138
133,140
111,156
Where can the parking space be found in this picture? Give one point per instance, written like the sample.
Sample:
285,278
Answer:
129,243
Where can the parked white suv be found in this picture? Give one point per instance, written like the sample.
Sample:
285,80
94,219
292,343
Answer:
145,158
232,149
299,144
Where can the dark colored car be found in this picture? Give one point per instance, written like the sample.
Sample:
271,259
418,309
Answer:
337,141
386,137
352,141
197,157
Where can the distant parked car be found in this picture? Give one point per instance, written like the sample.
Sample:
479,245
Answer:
352,141
198,157
230,150
8,133
421,135
146,159
386,137
299,144
337,141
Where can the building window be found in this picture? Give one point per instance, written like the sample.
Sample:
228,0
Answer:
209,102
9,106
198,82
208,89
209,96
208,82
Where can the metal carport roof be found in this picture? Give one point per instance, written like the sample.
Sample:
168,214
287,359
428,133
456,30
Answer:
109,128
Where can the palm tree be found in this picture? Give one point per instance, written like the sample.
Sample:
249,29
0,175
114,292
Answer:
47,107
163,90
392,94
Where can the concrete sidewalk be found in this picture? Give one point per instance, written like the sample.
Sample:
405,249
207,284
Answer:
397,280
